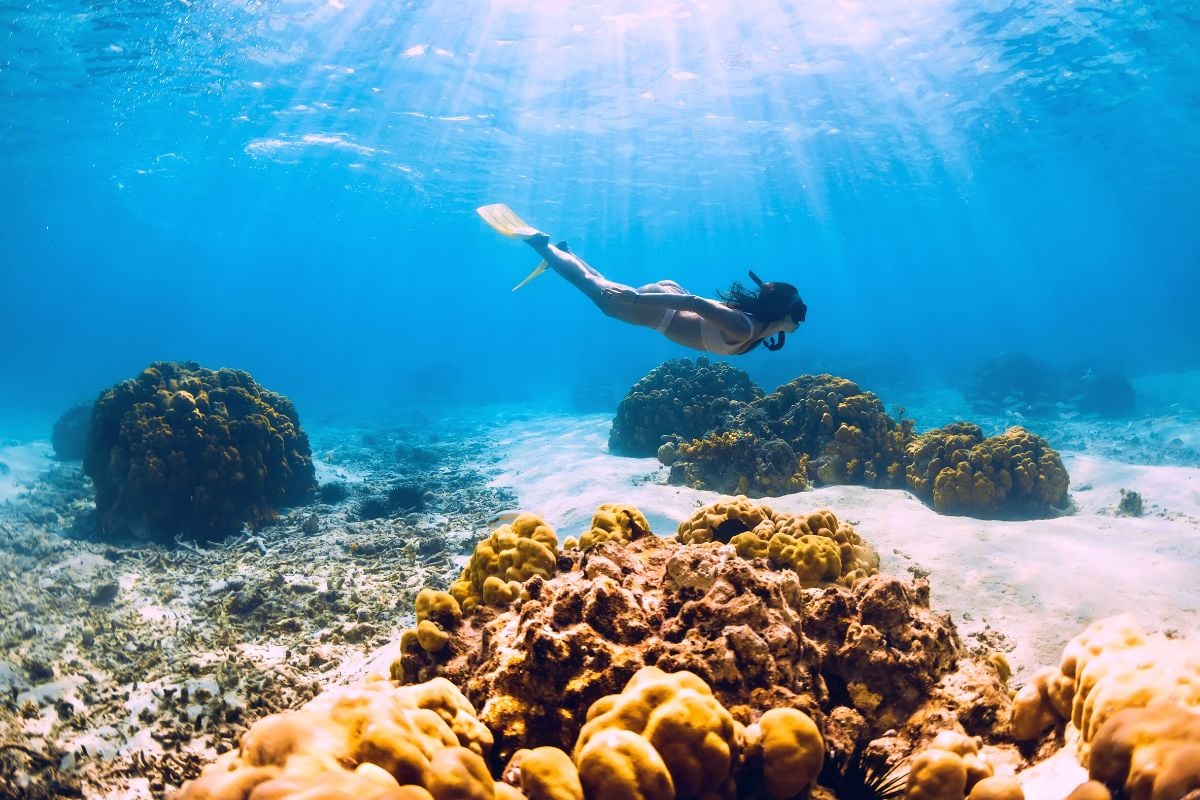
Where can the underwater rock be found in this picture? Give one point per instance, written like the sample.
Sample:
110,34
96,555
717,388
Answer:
1014,382
182,449
1131,504
70,433
1107,395
679,399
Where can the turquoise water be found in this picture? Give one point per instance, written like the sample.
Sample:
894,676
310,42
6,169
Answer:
288,188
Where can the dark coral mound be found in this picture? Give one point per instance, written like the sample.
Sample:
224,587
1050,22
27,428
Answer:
70,433
736,462
678,399
1016,382
1015,474
1013,382
182,449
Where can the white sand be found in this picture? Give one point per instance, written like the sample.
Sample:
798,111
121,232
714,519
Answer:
21,466
1037,582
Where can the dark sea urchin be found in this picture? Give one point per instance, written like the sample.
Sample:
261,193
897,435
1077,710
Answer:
868,776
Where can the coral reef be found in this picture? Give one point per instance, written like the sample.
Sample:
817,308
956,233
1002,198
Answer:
822,429
858,659
364,741
1134,699
841,428
736,462
514,553
1014,382
816,429
398,499
185,449
958,471
70,432
680,398
1104,394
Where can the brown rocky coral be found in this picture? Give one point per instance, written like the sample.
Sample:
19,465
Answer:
184,449
844,430
857,659
1015,474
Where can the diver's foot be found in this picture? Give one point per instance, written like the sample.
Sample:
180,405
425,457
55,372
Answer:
538,241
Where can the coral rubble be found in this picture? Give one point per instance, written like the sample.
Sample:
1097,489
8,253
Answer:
185,449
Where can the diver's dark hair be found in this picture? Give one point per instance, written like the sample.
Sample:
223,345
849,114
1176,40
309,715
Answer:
772,301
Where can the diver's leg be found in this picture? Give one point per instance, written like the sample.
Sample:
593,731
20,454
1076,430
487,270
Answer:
582,276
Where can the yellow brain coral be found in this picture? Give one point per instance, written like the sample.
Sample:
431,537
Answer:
1135,700
514,553
706,524
819,547
614,522
961,472
544,773
366,741
791,748
949,768
664,735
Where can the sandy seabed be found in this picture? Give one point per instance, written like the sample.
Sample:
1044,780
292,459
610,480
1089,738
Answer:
101,640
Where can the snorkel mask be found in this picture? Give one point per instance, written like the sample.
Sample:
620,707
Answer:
797,311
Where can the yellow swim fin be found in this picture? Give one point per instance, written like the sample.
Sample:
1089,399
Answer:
538,270
502,220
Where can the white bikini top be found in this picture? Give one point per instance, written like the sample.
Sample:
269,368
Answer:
715,342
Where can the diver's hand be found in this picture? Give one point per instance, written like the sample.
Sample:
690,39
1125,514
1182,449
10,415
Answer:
622,294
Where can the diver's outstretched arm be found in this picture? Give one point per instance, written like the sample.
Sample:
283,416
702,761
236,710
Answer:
727,319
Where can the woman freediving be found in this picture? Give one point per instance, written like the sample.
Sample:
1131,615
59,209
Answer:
733,325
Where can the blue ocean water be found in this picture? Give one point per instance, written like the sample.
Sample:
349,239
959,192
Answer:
289,188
